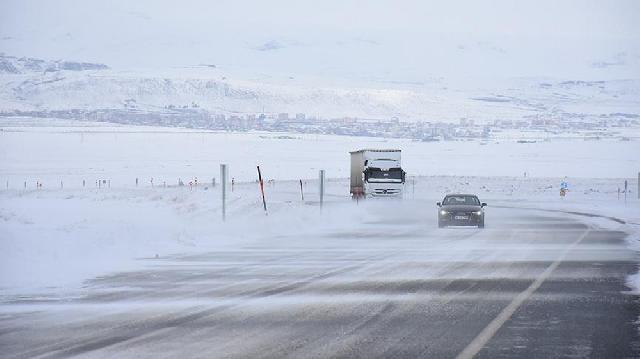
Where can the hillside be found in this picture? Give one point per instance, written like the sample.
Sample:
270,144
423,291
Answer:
35,84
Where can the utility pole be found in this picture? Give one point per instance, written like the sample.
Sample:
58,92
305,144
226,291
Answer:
223,180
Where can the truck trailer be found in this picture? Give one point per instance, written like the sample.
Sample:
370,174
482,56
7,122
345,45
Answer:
376,172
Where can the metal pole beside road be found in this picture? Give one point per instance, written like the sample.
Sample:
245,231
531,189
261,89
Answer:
321,188
413,187
626,188
223,179
301,191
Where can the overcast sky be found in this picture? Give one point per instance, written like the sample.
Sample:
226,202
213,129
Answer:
403,40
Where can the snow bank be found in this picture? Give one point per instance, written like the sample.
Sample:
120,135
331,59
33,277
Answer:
54,239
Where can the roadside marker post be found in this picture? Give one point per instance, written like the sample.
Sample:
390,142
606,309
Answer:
223,181
264,202
413,187
626,186
321,188
301,191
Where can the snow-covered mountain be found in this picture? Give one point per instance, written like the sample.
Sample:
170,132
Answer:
27,65
34,84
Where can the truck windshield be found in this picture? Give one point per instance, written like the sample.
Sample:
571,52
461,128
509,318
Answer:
392,174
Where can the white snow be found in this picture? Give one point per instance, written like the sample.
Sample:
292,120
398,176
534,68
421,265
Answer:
220,91
63,151
52,239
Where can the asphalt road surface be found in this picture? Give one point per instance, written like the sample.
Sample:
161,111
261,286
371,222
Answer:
532,284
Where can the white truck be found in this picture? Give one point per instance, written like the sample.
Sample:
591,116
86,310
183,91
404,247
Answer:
376,173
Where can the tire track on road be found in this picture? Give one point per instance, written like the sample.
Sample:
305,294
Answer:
143,328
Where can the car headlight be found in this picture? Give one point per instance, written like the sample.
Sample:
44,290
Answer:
443,212
479,213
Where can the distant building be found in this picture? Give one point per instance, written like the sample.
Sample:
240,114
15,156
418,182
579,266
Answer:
283,116
300,117
251,121
486,131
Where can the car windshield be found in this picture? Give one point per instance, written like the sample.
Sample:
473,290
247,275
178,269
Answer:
461,200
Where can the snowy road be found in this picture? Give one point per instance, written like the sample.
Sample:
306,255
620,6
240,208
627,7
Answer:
532,284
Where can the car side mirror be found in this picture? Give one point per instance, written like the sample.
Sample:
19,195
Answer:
483,204
439,204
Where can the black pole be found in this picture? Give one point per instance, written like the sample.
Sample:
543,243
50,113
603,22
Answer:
301,191
264,202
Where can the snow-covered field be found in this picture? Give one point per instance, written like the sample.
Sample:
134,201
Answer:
51,151
51,239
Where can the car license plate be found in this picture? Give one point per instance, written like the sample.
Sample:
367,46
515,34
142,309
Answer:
461,217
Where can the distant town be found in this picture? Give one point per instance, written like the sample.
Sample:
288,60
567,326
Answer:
193,117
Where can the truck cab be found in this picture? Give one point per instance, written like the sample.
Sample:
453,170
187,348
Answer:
376,173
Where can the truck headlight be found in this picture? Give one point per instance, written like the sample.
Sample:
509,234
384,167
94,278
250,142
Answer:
443,212
479,213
